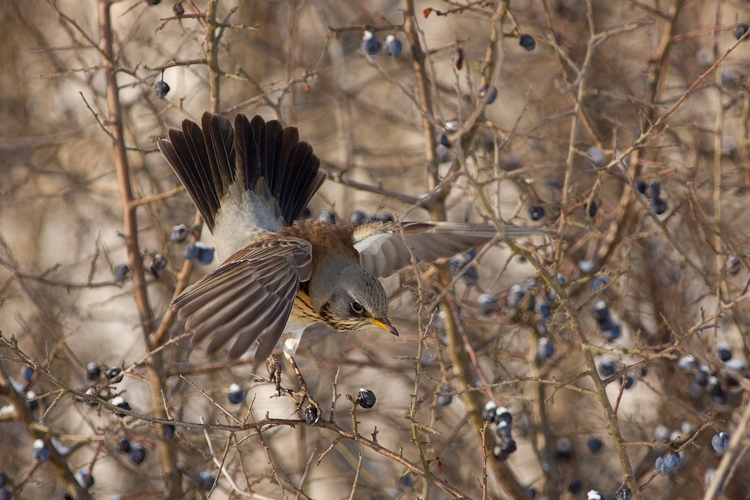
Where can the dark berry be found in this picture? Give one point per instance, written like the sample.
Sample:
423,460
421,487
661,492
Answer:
31,402
503,415
123,445
600,312
357,218
575,486
653,191
592,209
611,331
486,304
236,394
740,30
178,9
624,494
161,89
168,431
120,402
40,451
545,349
137,453
3,479
724,352
488,412
370,44
658,206
720,442
28,373
190,251
113,372
527,42
627,381
563,449
536,213
608,367
206,480
444,141
640,186
392,47
121,272
667,462
311,414
594,445
384,217
327,216
365,398
205,253
445,396
733,265
470,277
687,363
483,92
153,2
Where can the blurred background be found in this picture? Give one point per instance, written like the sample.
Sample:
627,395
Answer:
619,128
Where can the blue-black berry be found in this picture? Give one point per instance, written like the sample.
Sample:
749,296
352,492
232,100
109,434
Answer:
357,218
740,30
327,216
370,44
536,213
311,414
161,89
236,394
527,42
724,352
206,480
720,442
667,462
493,94
205,253
40,451
575,486
594,445
365,398
190,251
384,217
121,272
137,453
392,47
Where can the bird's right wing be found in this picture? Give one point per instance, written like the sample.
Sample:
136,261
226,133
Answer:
384,247
250,295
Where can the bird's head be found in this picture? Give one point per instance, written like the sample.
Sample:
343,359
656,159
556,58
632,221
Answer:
357,301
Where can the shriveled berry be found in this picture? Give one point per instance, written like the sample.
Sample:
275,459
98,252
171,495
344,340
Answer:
121,272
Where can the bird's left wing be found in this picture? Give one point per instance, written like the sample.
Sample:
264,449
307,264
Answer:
249,295
384,246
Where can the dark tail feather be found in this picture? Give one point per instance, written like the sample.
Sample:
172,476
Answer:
208,161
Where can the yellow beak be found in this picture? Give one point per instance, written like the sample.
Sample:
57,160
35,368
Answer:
385,324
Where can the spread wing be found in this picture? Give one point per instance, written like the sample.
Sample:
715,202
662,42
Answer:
250,295
384,246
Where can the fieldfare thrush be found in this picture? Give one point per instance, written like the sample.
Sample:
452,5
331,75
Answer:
251,183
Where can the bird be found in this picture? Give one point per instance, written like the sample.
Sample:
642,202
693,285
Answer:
251,180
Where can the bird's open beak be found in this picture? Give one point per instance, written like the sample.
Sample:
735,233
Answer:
386,325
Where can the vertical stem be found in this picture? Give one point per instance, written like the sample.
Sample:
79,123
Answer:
419,59
213,56
167,454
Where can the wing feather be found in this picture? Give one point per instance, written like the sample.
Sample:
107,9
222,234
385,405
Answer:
249,296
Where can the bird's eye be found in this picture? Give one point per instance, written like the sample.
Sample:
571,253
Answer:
357,308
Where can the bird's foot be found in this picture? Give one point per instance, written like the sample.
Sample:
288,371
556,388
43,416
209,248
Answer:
312,413
273,364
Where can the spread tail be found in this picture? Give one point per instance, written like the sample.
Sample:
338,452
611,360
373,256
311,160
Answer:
262,157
